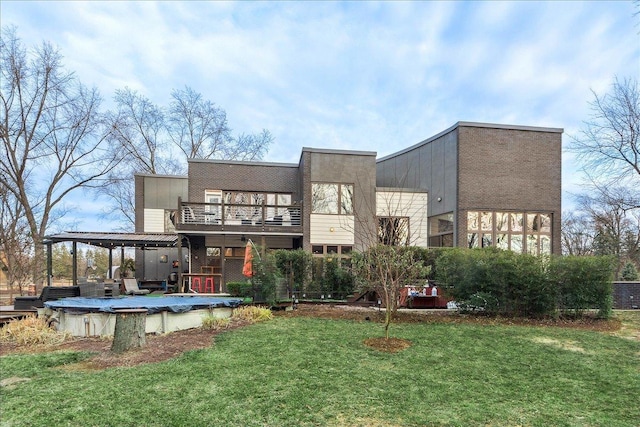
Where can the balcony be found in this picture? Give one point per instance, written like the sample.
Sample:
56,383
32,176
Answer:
238,217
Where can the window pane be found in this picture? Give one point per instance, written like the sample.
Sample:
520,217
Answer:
516,222
545,223
346,198
545,245
284,199
317,249
532,244
472,240
487,240
502,221
257,198
324,198
332,249
472,221
486,220
502,241
441,224
447,240
532,222
516,243
393,231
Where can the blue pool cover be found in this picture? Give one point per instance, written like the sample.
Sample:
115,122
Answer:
175,304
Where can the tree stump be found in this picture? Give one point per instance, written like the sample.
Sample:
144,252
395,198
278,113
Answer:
130,330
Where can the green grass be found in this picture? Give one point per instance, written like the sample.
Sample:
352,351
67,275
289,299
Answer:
316,372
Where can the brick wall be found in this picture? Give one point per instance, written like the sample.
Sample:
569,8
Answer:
236,176
509,169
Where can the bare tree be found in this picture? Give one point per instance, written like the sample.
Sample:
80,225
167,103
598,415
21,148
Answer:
16,248
157,140
196,126
139,131
139,134
200,130
614,223
387,269
53,141
577,234
608,144
390,261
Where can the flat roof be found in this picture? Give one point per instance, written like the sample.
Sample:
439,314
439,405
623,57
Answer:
114,240
243,162
474,125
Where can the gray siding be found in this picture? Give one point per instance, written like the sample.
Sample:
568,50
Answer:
431,166
351,167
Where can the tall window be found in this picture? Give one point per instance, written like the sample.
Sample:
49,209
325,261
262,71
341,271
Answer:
441,230
393,231
516,231
332,198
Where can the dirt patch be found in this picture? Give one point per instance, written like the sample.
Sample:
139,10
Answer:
388,345
168,346
158,348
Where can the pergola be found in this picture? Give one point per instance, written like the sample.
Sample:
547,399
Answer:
110,241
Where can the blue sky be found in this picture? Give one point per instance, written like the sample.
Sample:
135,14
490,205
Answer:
376,76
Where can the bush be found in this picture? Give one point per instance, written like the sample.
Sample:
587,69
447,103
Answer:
215,323
295,267
240,289
252,313
507,283
583,282
265,278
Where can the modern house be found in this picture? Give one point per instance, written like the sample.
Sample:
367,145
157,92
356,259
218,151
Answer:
474,184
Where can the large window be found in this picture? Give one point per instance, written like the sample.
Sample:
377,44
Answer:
393,231
247,205
517,231
332,198
441,230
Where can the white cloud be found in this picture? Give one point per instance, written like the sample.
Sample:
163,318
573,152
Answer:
361,75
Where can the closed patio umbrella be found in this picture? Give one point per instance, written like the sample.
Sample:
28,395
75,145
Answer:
247,268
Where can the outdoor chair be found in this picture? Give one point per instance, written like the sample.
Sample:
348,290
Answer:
131,287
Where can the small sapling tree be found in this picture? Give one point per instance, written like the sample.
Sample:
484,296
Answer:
386,270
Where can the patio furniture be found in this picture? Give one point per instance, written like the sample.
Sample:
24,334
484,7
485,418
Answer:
49,293
131,287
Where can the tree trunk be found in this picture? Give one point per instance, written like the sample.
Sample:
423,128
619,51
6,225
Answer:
130,330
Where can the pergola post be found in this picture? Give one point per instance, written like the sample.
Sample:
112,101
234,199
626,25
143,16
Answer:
180,284
74,257
110,272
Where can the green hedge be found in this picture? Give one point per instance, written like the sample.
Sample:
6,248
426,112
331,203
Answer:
583,283
240,289
503,282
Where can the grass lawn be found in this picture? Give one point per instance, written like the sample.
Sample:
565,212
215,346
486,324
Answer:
306,371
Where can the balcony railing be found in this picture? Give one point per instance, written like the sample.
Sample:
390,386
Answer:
235,214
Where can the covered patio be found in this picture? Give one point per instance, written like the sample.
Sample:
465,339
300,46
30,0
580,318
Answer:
110,241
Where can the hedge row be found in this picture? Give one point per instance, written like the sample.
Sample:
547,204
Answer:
503,282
